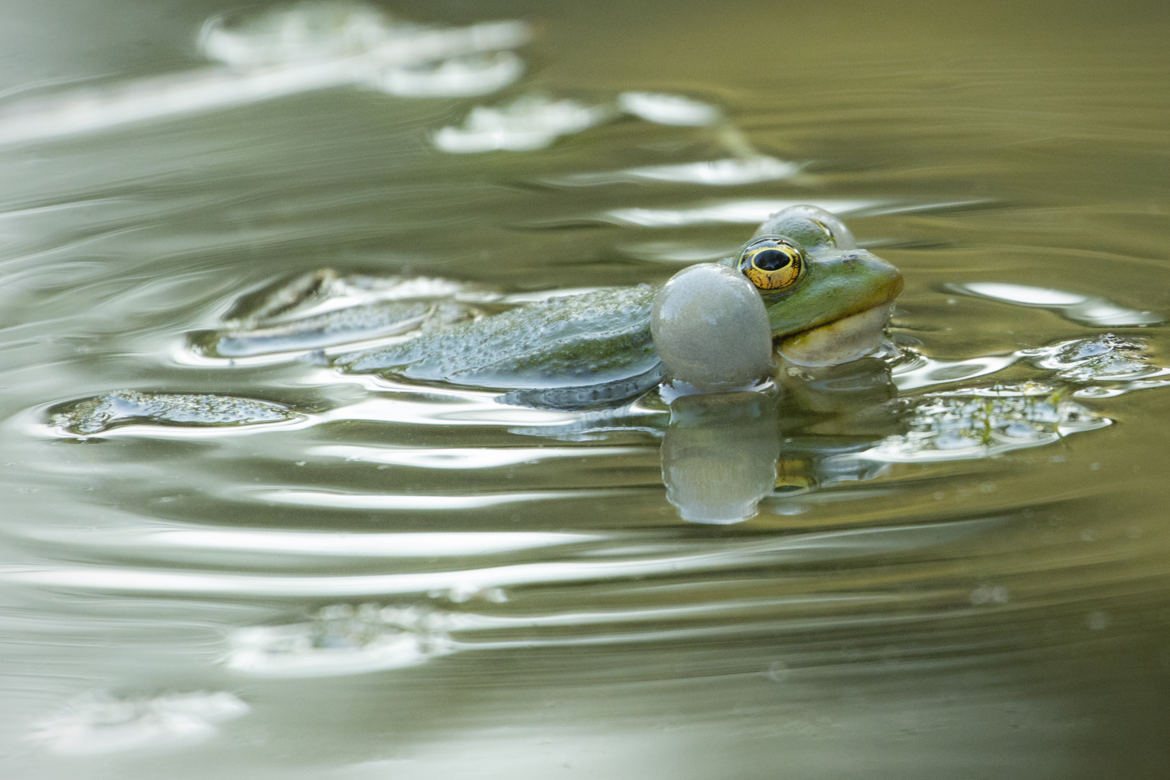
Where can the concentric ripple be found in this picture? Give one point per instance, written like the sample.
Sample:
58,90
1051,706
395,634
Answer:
228,546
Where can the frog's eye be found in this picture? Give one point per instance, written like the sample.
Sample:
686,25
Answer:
771,264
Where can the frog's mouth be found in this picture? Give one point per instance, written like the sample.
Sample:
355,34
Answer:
838,313
840,341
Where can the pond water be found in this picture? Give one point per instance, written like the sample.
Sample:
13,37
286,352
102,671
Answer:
956,568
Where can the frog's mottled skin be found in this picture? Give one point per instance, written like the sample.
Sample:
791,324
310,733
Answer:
101,413
594,338
604,337
321,330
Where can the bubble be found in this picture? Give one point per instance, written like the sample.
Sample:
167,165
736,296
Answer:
711,329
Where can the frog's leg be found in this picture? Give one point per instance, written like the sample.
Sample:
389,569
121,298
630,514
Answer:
324,309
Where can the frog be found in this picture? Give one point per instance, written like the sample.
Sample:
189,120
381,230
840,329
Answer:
800,284
799,289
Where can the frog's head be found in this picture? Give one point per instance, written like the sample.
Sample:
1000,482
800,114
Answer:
827,300
801,283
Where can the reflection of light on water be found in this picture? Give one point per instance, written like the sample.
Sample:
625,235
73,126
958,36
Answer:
341,639
714,173
1089,310
105,723
298,31
1021,294
316,544
1107,365
735,212
345,638
336,499
665,109
293,54
667,560
459,458
678,252
396,545
456,77
528,123
533,122
451,406
924,371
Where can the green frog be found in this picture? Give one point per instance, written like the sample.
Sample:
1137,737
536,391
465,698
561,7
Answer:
800,283
799,288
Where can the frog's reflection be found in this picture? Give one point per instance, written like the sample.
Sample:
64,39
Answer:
719,454
723,453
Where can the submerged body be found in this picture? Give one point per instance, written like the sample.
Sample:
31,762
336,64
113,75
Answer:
825,301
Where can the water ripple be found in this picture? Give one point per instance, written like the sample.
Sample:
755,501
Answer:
341,640
666,562
338,499
315,544
460,458
274,55
1091,310
712,173
920,371
109,723
735,212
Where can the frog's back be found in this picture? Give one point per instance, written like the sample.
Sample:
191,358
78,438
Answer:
571,341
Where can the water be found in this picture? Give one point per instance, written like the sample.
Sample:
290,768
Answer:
957,567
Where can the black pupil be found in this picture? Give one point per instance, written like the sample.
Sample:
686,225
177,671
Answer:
771,259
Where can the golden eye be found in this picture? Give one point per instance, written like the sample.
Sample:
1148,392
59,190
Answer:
772,264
